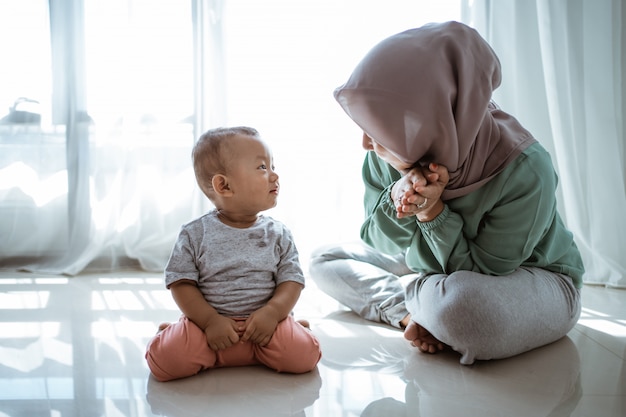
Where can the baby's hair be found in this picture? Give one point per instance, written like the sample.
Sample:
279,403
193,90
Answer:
208,154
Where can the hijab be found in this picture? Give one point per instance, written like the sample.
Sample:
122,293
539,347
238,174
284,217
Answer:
425,95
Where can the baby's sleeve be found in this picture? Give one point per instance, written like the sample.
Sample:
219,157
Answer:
182,262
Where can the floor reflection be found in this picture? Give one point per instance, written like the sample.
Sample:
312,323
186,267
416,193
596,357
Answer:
543,382
75,348
244,391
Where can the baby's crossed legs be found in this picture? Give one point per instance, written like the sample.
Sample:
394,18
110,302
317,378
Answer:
180,350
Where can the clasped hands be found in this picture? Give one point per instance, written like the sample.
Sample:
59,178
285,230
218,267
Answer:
418,192
222,332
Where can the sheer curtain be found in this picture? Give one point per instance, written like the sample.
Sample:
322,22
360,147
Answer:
103,100
102,103
102,179
563,77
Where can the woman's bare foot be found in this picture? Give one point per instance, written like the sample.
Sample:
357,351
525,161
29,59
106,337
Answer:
422,339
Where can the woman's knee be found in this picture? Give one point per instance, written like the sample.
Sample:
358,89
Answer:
351,251
327,267
319,259
455,310
486,317
327,253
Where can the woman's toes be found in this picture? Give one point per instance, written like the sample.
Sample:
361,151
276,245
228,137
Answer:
412,331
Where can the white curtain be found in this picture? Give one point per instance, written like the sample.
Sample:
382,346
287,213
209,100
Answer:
563,77
102,179
95,162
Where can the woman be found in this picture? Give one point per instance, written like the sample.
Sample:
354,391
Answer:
464,244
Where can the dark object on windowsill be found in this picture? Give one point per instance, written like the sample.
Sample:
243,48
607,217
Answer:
20,113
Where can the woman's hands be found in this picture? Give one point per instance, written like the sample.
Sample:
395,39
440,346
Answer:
418,192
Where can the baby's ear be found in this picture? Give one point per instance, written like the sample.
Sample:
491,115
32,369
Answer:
220,184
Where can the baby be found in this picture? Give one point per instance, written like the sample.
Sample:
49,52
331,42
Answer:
233,272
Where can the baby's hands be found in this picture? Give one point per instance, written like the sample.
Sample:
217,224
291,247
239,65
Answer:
404,189
260,326
221,332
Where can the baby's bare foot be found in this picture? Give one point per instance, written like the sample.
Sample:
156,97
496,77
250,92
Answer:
304,323
163,326
422,339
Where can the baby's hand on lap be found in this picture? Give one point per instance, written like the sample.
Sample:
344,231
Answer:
221,332
260,326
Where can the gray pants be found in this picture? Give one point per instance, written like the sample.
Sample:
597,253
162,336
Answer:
480,316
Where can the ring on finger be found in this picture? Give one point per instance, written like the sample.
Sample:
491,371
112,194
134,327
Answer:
422,204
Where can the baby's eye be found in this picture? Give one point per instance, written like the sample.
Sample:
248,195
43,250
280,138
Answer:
262,166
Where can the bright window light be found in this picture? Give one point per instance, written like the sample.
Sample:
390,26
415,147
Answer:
24,300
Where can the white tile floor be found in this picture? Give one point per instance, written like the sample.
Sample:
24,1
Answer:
74,347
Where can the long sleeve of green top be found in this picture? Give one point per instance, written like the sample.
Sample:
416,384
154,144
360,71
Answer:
510,222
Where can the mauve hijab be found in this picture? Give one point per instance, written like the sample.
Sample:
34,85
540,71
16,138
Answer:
425,95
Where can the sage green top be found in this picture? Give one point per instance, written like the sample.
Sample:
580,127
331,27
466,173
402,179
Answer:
510,222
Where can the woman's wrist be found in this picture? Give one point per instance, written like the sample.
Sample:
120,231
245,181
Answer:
429,214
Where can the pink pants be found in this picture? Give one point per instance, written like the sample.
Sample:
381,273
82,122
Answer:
181,350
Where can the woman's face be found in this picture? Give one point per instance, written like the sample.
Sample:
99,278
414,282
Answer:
383,153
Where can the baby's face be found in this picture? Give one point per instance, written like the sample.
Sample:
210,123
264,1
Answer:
251,174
